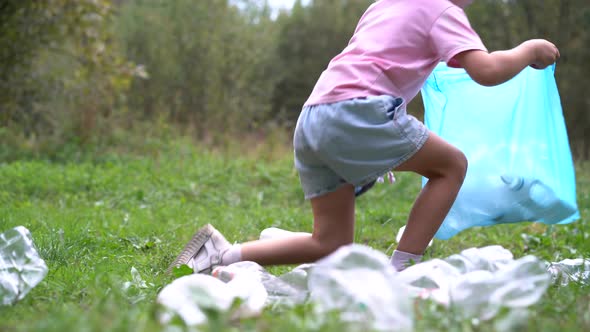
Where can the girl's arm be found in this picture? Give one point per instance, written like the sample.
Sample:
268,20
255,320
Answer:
494,68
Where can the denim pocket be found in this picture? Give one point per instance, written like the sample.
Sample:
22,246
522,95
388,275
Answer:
392,109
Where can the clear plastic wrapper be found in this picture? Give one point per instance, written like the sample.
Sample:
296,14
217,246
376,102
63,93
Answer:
361,285
21,267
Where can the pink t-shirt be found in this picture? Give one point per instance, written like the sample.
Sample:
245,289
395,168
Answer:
395,47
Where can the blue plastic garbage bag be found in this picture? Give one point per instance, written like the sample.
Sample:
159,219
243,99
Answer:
515,139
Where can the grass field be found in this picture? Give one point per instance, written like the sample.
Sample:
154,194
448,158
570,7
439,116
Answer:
94,219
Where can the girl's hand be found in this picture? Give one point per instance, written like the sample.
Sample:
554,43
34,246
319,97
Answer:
543,52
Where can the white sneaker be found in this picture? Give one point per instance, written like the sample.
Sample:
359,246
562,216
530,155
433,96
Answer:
203,252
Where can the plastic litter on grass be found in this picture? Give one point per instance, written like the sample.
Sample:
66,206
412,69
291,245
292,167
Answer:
21,267
360,284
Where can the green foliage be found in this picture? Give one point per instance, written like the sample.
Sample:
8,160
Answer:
68,73
181,271
60,69
208,62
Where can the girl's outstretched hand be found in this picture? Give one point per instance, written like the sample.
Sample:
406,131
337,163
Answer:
494,68
543,52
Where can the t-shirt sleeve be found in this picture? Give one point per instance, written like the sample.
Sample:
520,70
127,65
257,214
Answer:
452,34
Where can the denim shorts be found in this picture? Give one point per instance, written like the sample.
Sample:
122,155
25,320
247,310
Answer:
353,141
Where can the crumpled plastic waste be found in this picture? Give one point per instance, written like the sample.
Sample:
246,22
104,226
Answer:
570,270
360,284
286,290
189,297
21,267
332,283
479,281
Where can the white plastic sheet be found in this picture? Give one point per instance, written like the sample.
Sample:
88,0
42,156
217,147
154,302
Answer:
189,297
360,284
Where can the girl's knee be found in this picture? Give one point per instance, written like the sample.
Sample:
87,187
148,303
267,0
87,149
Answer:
460,165
454,168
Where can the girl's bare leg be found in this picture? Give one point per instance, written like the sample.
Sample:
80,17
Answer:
444,166
333,226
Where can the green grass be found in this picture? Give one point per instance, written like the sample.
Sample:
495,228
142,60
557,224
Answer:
94,219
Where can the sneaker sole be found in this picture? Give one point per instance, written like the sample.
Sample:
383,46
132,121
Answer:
192,247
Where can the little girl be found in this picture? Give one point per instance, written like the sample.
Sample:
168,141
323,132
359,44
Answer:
354,128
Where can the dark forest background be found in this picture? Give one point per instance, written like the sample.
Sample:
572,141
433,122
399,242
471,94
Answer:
87,73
